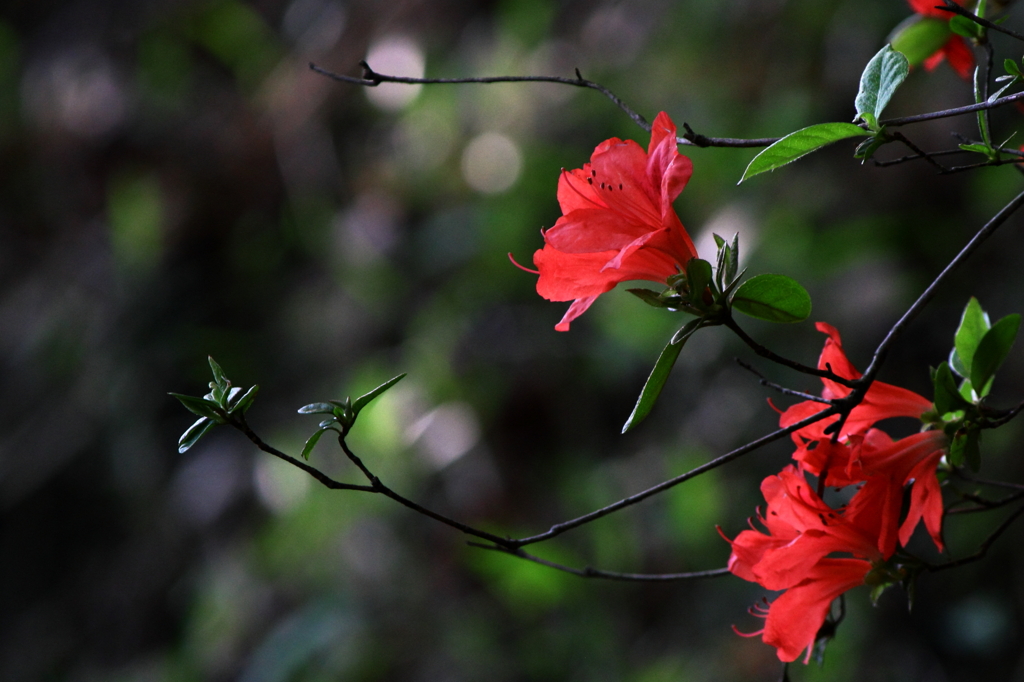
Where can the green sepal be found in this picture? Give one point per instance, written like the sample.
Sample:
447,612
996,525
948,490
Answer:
659,374
651,298
775,298
885,72
992,351
798,144
194,433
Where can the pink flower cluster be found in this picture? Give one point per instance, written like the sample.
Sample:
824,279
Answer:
796,555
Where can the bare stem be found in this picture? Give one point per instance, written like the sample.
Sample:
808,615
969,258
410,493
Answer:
792,364
957,9
781,389
560,528
983,547
589,572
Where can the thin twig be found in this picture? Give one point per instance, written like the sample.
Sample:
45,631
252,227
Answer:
792,364
1004,417
983,547
240,424
781,389
589,572
922,154
956,111
882,350
388,492
916,157
960,473
560,528
957,9
372,79
984,504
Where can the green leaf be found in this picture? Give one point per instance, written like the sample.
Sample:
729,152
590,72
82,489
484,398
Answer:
364,400
699,276
218,374
802,142
194,433
882,75
947,397
974,323
919,37
200,407
992,351
243,403
775,298
651,298
311,443
1012,68
980,148
317,408
656,381
962,26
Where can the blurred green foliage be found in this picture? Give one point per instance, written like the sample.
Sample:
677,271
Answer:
175,183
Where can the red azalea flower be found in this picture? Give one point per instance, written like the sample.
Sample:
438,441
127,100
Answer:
882,401
803,531
956,49
617,221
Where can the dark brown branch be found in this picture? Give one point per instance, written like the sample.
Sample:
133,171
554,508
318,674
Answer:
957,9
984,504
372,79
560,528
1003,417
916,157
792,364
977,240
240,424
983,547
921,154
781,389
956,111
589,572
379,487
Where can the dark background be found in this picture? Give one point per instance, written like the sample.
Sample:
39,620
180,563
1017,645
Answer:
174,182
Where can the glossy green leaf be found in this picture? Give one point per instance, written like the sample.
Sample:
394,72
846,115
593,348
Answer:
699,275
947,397
775,298
312,441
651,298
218,373
974,323
659,375
992,351
1012,68
194,433
885,72
365,399
244,402
979,148
200,406
920,37
317,408
802,142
